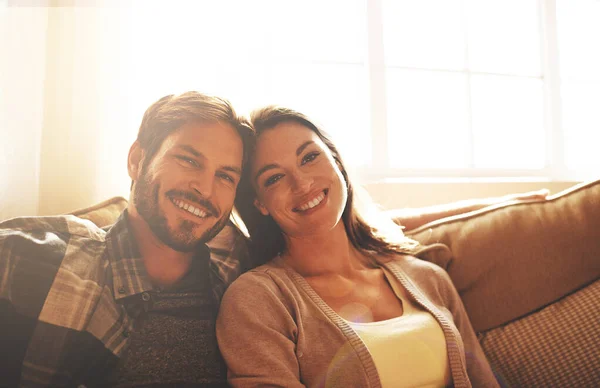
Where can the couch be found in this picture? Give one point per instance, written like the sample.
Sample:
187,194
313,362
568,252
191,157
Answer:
528,274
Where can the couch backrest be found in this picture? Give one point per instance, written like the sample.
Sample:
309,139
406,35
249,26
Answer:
511,259
104,213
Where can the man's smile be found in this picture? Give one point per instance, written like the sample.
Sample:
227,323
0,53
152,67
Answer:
194,210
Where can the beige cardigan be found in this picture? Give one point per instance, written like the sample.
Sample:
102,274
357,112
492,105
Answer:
274,330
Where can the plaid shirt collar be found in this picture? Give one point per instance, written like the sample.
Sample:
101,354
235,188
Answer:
128,270
221,258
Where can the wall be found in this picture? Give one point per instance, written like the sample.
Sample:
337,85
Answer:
392,195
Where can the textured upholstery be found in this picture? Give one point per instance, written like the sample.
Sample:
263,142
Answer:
558,346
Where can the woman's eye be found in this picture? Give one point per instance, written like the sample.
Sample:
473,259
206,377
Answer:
272,179
309,157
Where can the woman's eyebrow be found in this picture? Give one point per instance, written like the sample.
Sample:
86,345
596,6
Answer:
264,169
303,146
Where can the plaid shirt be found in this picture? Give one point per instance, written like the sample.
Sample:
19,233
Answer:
64,284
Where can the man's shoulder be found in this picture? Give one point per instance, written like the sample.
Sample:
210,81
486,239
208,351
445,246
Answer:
49,239
60,225
229,253
228,238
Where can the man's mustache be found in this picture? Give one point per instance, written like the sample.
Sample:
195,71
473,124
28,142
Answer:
195,199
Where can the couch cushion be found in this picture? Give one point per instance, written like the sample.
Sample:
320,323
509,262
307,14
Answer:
511,259
557,346
104,213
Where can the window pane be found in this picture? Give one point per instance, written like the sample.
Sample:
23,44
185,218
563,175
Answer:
427,119
504,36
424,33
508,127
335,96
581,126
579,38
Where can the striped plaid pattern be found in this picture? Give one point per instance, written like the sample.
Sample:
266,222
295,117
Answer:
558,346
229,258
64,288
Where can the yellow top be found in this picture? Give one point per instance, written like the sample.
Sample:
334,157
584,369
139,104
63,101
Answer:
408,351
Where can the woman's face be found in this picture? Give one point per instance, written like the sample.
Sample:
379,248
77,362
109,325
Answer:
297,181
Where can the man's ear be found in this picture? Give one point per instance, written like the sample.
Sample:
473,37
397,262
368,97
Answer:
134,160
263,210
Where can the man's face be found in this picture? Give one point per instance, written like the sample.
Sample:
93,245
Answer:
186,192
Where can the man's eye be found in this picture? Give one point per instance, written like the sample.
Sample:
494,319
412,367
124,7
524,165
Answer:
309,157
272,179
226,177
189,161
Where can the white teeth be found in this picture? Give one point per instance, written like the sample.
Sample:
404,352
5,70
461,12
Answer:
312,203
193,210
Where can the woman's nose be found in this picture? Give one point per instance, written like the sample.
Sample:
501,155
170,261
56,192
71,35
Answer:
302,182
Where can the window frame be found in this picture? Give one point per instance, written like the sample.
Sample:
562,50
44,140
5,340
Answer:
555,166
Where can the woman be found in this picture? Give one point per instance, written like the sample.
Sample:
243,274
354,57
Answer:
339,302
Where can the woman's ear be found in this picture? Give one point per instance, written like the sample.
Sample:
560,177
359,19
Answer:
261,208
134,161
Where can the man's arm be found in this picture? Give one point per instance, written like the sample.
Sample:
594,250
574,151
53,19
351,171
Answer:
29,260
414,217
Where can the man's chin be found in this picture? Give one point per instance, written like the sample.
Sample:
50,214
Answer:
184,235
186,238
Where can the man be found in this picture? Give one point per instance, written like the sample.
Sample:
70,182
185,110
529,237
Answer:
135,305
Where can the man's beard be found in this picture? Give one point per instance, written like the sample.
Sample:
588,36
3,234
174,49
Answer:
146,196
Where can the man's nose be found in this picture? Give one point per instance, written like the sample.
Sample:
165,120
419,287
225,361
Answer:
203,184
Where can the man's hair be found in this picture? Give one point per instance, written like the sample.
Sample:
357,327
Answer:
370,233
172,112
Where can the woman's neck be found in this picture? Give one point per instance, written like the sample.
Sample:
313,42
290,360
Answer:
323,254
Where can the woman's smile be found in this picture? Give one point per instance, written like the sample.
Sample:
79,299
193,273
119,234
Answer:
313,204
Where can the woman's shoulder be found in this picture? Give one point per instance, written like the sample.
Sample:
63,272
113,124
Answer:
419,269
406,261
270,277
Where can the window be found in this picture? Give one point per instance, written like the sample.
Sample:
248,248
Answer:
434,88
579,47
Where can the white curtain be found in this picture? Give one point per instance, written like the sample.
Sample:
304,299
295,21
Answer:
77,75
22,75
60,144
